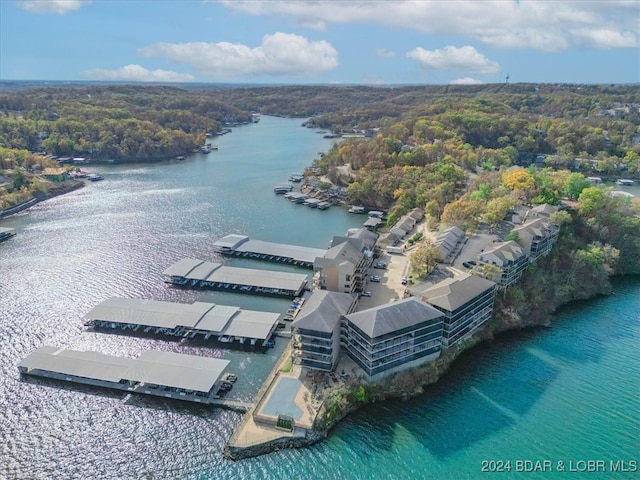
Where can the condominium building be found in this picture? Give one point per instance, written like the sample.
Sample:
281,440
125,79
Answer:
466,302
511,260
316,329
537,237
343,267
389,338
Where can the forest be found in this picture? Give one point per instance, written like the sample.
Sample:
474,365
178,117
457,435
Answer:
466,154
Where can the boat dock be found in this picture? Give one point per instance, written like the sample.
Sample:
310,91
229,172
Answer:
226,324
162,374
6,233
243,246
200,274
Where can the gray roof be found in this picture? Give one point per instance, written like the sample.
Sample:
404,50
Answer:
347,251
80,364
506,252
259,278
6,230
252,324
391,317
161,368
216,319
215,272
373,222
305,254
322,310
535,228
452,293
149,312
230,241
544,210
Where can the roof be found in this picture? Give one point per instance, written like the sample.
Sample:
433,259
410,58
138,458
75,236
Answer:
305,254
252,324
149,312
215,272
343,252
505,252
322,310
170,369
532,229
543,210
373,222
217,318
80,364
392,317
177,370
452,293
231,241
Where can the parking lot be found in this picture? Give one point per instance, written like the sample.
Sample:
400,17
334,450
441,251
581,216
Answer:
390,287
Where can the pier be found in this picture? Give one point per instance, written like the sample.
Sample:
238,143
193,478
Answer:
243,246
6,233
226,324
162,374
200,274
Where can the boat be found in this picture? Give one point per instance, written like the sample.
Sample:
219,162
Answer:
6,234
225,339
356,209
180,158
624,181
281,189
296,177
323,205
94,177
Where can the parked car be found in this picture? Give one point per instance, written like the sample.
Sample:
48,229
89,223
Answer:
404,280
381,265
366,294
375,278
469,264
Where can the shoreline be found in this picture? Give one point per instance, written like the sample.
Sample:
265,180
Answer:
419,378
41,197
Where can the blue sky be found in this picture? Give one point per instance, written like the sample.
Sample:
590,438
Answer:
310,42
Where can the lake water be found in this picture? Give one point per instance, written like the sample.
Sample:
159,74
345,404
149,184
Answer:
565,393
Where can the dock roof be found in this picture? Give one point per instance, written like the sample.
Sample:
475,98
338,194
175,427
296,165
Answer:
169,369
306,254
231,241
252,324
259,278
93,365
183,267
149,312
216,319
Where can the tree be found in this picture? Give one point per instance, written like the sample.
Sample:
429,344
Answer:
424,260
574,185
590,200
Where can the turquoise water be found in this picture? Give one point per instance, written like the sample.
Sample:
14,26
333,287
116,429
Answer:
566,393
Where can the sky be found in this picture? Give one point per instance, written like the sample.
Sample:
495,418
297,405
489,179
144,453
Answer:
374,42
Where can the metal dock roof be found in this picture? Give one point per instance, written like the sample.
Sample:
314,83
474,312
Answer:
259,278
150,312
305,254
198,316
168,369
253,325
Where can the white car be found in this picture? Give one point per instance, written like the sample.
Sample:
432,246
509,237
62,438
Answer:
366,294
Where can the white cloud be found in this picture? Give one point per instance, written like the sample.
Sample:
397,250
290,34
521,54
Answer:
383,53
466,81
136,73
59,7
540,24
279,54
464,59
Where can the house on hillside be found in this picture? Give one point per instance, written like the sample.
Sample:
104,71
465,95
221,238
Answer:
316,329
393,337
55,174
466,302
449,242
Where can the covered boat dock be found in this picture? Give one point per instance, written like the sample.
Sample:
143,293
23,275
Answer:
243,246
163,374
198,273
224,323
